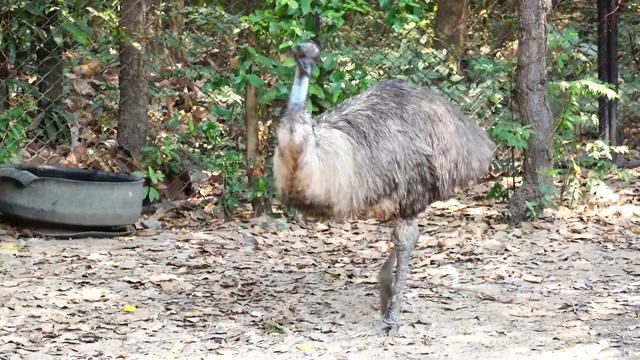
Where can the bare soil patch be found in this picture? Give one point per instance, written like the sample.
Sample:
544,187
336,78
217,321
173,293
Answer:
566,287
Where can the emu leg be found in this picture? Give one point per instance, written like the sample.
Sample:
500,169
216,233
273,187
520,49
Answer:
385,281
405,237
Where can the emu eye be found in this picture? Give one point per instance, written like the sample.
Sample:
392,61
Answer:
299,52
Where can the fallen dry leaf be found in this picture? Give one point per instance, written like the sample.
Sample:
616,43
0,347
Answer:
178,347
12,247
91,294
6,298
532,279
494,245
500,226
163,277
304,346
278,289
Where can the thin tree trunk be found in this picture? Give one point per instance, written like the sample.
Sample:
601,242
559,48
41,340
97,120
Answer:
608,69
534,106
507,27
451,25
134,102
160,56
254,162
175,25
50,72
4,89
251,120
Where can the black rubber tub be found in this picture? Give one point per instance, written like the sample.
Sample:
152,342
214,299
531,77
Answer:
70,197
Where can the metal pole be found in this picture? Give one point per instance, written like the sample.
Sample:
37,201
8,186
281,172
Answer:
603,69
608,68
613,70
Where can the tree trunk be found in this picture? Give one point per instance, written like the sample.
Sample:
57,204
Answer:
608,70
134,86
507,27
534,106
158,53
50,73
175,25
255,163
451,25
4,75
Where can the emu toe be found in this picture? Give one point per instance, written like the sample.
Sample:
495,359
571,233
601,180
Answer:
388,326
389,322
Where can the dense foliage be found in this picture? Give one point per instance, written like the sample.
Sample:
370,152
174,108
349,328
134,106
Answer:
204,56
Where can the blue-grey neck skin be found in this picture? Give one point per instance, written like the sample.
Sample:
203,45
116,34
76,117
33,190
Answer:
299,91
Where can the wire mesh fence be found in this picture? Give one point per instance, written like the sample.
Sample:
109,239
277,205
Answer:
629,70
169,89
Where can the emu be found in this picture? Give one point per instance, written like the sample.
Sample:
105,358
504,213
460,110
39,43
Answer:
386,153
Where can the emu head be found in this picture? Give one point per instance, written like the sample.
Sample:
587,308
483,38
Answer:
306,54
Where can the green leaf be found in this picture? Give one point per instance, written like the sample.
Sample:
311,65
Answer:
51,129
398,23
330,61
289,62
255,80
384,4
85,28
222,113
336,77
15,132
293,4
314,89
309,105
153,194
265,61
244,66
269,96
390,16
139,173
175,121
455,78
335,88
77,34
326,104
359,74
153,178
305,6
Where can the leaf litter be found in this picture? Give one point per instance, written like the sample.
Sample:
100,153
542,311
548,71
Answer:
566,286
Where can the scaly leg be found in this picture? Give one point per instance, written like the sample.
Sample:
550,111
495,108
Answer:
405,237
385,280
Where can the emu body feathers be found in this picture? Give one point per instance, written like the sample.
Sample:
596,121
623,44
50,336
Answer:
387,152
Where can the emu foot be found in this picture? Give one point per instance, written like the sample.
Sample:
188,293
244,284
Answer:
389,326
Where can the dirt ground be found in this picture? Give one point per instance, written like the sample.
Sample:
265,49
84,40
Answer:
565,287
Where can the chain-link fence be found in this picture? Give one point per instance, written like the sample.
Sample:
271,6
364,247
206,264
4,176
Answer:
184,92
629,72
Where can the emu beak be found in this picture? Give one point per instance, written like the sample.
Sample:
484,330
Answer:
306,66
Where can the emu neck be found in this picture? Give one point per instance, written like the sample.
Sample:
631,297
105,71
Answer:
299,91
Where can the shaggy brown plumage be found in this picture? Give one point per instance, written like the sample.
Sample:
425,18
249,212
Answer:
387,153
